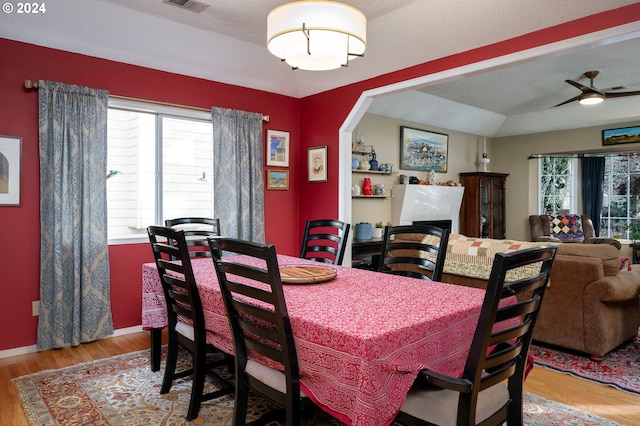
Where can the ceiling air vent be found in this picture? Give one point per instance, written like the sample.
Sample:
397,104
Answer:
192,5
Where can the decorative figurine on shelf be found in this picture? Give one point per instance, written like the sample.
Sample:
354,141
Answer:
366,187
431,177
359,141
364,165
373,162
354,163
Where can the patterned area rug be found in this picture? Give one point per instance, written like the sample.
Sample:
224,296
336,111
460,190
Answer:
123,391
620,368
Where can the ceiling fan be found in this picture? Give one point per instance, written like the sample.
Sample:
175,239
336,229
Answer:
590,95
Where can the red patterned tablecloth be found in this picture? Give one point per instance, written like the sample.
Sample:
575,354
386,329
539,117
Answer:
361,338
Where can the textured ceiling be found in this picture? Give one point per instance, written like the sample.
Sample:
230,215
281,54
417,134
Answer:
226,42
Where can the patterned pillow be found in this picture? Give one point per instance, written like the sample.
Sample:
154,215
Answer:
566,226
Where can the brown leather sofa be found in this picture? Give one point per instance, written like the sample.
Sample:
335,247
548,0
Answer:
541,231
591,304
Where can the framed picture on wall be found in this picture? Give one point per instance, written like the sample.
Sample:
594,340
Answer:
317,164
10,157
278,179
621,136
277,148
423,150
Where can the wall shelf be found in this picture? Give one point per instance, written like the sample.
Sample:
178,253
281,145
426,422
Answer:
372,172
369,196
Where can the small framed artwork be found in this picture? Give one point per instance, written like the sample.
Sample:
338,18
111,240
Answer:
278,179
277,148
423,150
621,135
10,157
317,164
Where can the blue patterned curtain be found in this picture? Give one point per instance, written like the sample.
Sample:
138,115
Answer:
237,167
75,305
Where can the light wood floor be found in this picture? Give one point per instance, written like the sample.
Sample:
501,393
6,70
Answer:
601,400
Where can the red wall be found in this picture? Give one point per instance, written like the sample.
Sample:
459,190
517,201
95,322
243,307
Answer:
312,121
20,226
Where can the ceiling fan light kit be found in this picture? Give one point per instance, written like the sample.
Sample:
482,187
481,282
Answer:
316,35
592,96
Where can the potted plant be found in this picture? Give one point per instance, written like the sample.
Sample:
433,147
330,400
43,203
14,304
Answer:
634,236
634,231
377,231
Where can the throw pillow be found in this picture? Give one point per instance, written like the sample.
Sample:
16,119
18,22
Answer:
566,226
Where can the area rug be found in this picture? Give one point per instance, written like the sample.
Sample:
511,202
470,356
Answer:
123,391
620,368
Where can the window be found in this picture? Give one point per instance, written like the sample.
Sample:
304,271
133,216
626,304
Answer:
557,187
160,166
621,200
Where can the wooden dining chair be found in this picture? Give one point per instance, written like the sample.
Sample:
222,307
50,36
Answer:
261,330
490,389
324,240
186,327
196,231
416,251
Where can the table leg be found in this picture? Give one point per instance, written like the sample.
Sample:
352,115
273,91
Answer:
156,348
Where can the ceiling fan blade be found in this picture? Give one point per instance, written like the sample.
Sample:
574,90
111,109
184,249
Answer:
579,86
568,101
621,94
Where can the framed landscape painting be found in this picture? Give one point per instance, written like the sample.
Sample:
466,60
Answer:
278,179
621,135
277,148
10,153
423,150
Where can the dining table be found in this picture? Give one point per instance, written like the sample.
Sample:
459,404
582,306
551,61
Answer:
361,338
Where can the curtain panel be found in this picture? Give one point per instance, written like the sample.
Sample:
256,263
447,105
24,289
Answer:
75,305
238,195
592,194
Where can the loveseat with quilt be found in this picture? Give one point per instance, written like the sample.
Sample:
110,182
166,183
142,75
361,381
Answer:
566,228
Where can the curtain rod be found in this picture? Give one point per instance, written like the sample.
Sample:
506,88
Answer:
582,155
29,84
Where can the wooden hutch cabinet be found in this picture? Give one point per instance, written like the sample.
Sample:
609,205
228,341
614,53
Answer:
482,213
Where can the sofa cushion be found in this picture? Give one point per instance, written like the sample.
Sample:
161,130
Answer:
566,227
607,253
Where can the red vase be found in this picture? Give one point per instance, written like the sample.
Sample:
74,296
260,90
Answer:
366,187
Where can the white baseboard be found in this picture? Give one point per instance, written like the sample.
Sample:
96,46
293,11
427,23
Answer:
33,348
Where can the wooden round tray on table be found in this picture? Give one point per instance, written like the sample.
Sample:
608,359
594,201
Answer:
306,274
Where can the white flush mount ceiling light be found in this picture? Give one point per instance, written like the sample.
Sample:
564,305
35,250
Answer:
316,35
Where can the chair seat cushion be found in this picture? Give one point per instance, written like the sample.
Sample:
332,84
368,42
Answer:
186,330
440,406
566,227
269,376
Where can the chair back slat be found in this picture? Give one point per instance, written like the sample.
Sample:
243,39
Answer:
196,231
324,240
416,251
